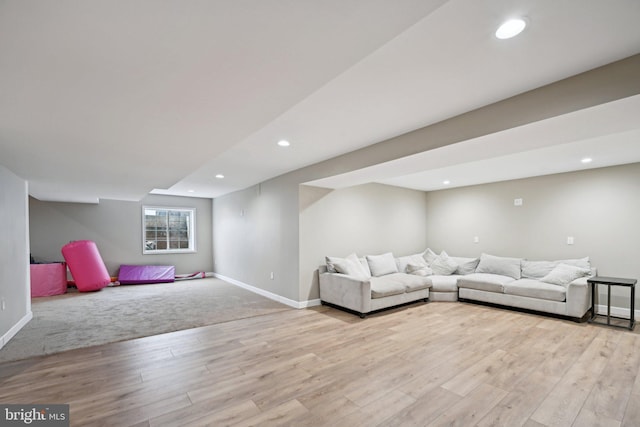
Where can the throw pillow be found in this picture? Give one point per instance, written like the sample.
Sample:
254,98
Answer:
382,264
419,269
563,274
429,256
537,269
499,265
350,266
403,261
365,265
443,265
466,265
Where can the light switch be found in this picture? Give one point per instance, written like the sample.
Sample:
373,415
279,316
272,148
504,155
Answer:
570,240
476,239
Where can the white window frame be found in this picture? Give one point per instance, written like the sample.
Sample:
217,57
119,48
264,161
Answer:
192,231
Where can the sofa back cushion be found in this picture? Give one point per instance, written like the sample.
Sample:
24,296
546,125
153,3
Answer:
350,266
539,269
563,274
499,265
403,261
443,265
429,255
382,264
465,265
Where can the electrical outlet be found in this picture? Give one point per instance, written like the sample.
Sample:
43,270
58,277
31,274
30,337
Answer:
570,240
476,239
517,202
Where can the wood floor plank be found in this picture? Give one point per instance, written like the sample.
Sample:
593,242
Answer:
632,414
562,405
471,408
523,399
423,364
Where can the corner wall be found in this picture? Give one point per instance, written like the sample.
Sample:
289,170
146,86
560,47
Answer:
367,219
256,234
598,208
15,288
116,227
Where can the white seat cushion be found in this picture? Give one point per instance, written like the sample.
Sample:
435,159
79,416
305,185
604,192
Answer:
444,283
386,286
536,289
484,282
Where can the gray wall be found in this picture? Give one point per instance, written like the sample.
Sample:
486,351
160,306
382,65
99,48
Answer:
366,219
116,227
256,233
598,207
15,289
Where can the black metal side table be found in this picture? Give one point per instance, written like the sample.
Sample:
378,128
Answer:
612,281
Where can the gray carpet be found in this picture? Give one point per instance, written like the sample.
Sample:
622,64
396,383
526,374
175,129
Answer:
75,320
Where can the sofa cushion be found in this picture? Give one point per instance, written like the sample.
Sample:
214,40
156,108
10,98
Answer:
411,282
443,264
419,270
466,265
365,265
499,265
535,289
539,269
563,274
350,266
429,255
484,282
403,261
382,264
444,283
387,285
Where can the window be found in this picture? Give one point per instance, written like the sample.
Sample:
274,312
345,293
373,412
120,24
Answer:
168,230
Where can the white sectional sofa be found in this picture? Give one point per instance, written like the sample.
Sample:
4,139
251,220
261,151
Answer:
373,283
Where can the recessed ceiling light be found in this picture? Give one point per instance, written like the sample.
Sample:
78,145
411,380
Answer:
283,143
587,160
219,176
446,182
511,28
191,191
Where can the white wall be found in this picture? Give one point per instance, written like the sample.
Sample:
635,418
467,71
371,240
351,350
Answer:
599,208
367,219
15,289
116,227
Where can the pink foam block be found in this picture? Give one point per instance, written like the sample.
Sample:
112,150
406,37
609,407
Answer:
143,274
86,265
48,279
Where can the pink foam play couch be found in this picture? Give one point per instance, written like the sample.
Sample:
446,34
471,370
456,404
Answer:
48,279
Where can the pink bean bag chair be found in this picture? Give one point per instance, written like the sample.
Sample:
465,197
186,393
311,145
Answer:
86,265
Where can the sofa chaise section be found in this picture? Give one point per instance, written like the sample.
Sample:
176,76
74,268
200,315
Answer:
365,293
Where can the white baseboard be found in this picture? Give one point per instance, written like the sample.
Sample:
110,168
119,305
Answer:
15,329
270,295
617,311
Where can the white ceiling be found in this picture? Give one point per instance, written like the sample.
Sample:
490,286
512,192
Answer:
109,99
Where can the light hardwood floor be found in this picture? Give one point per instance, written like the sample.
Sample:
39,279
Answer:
435,364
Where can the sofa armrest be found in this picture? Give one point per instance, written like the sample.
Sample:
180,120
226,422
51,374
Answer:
578,297
346,291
